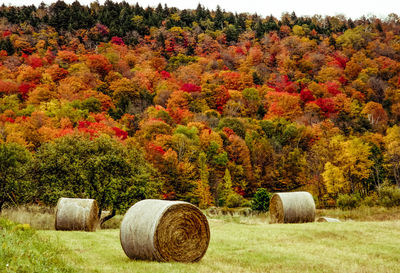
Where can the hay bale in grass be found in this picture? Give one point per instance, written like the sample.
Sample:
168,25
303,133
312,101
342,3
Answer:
327,219
76,214
292,207
164,231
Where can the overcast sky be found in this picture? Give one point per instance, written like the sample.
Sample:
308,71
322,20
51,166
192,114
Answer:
350,8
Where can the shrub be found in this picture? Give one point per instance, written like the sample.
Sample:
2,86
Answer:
348,201
234,200
261,199
246,203
389,196
370,200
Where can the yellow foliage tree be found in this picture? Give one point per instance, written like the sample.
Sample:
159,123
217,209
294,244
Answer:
376,114
348,166
203,188
392,154
334,180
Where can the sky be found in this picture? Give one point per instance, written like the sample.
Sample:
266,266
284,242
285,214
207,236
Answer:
350,8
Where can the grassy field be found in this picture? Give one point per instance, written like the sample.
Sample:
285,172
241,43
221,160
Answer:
23,250
367,241
252,247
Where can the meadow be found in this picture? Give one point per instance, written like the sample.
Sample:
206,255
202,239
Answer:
238,244
240,247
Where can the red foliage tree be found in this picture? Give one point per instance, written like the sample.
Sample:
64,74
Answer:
165,74
98,64
333,88
190,88
281,83
327,105
117,40
8,87
24,89
306,95
120,133
35,61
57,73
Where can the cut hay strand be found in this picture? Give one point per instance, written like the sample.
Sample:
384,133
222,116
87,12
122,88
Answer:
292,207
164,231
76,214
327,219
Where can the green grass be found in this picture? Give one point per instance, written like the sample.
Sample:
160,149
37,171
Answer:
23,250
254,247
238,244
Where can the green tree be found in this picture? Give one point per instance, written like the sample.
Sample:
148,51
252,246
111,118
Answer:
15,161
232,33
233,123
102,169
261,200
356,38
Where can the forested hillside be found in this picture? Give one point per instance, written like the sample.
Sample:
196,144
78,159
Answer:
197,105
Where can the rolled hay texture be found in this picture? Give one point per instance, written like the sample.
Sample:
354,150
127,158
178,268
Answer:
328,219
164,231
292,207
76,214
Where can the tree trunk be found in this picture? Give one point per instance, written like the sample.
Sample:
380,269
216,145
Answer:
396,175
108,217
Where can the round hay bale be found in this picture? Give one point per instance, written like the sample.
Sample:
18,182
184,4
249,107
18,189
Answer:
164,231
292,207
327,219
76,214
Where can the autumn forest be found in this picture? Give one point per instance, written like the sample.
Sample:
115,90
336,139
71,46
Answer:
119,102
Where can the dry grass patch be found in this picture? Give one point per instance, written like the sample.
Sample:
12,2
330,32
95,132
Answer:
36,216
365,214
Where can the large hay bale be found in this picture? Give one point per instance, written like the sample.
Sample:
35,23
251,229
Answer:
292,207
164,231
76,214
328,219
